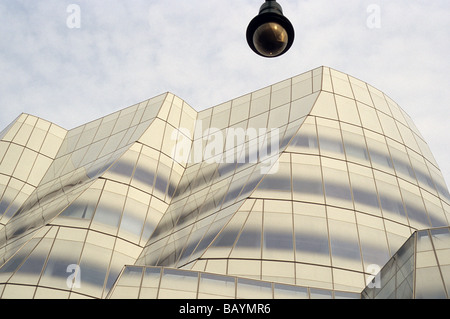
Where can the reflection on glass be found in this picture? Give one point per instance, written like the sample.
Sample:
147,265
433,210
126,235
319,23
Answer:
308,186
133,218
290,292
306,138
35,262
330,144
248,288
277,183
216,285
11,265
249,239
63,254
84,206
344,244
278,240
379,154
123,168
144,175
320,294
131,276
415,209
429,284
179,279
151,277
311,239
336,185
109,209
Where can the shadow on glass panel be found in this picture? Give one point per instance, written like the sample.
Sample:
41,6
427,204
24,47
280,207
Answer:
278,240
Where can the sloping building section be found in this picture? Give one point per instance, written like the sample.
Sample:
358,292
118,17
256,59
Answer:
28,147
75,186
418,270
253,131
300,189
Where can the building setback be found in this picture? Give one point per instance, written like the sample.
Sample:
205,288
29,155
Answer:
319,186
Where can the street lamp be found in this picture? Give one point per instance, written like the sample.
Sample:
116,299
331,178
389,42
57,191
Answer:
270,33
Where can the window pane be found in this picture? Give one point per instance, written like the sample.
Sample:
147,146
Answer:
109,209
311,239
337,188
84,206
429,284
306,140
374,246
390,199
330,141
355,145
131,276
345,249
249,241
94,267
14,262
278,240
252,289
179,280
441,238
63,254
320,293
216,285
378,151
151,277
31,269
290,292
364,190
415,209
307,182
134,215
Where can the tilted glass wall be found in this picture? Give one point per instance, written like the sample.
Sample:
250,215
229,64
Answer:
101,223
420,269
140,282
355,181
304,188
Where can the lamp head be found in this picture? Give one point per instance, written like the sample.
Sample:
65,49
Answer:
270,33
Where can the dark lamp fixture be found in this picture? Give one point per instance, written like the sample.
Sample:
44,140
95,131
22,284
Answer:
270,33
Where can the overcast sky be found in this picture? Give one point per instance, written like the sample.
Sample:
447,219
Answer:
71,71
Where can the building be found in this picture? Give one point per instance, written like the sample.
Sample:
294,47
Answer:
319,186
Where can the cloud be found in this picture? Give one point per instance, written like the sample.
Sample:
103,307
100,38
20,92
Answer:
126,52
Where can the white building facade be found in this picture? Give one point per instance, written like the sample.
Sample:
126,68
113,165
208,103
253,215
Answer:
303,189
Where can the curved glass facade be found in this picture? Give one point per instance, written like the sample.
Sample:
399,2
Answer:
306,188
